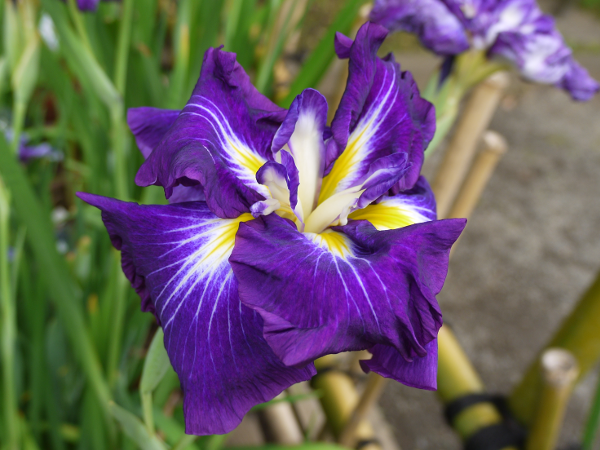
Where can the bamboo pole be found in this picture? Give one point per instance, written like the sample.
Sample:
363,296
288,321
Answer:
458,156
339,400
559,373
280,424
370,396
494,147
456,378
579,334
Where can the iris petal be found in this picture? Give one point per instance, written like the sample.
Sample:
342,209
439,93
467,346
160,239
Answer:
302,133
396,211
353,291
420,373
176,257
381,113
149,126
430,20
219,140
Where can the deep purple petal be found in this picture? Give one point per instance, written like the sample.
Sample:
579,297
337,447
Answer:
220,139
149,126
437,28
381,113
176,258
419,373
348,288
87,5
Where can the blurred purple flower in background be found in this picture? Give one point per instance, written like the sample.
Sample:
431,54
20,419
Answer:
303,240
87,5
27,152
515,30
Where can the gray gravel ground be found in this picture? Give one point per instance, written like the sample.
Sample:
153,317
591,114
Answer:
530,249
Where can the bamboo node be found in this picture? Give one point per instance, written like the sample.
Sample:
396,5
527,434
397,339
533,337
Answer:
559,367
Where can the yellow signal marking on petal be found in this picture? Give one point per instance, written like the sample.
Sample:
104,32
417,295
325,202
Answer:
222,245
333,241
246,157
343,165
385,217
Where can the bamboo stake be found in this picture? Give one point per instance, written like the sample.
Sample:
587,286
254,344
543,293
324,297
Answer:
309,412
456,378
579,334
461,149
372,392
280,424
559,373
494,146
339,400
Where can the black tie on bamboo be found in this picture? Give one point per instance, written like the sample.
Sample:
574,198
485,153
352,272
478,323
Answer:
507,433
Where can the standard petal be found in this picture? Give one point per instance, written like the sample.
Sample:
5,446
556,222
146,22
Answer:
416,205
219,140
149,126
381,113
176,258
437,28
302,133
420,372
348,288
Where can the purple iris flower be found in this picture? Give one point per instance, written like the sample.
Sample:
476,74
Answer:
89,5
515,30
28,152
300,240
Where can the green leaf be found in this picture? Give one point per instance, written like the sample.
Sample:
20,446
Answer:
156,364
278,34
80,55
56,277
318,61
25,73
135,429
155,367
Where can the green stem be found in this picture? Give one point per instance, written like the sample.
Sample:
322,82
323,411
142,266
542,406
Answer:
184,442
216,441
19,109
9,325
593,422
77,20
118,320
123,46
147,411
119,137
